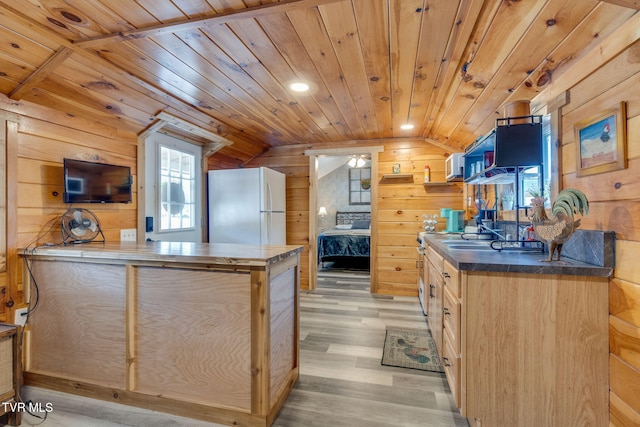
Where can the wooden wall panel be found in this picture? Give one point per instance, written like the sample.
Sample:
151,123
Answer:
4,293
614,205
624,301
627,255
42,139
400,209
624,382
624,341
621,413
41,148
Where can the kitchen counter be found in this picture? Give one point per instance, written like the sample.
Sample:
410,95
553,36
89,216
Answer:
509,260
176,252
201,330
515,334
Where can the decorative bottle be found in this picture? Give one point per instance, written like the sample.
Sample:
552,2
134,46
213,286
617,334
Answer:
427,174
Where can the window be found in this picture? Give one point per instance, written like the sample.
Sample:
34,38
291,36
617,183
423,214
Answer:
360,186
531,180
177,190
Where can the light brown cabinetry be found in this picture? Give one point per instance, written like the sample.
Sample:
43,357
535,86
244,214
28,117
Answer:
534,349
422,264
435,288
207,330
451,334
9,374
521,349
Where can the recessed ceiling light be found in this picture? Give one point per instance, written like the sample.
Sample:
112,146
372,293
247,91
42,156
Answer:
299,87
406,126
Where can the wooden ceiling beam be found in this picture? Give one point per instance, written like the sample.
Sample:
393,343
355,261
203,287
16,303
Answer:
190,24
67,48
41,73
440,144
632,4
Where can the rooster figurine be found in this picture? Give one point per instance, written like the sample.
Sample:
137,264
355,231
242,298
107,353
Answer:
560,228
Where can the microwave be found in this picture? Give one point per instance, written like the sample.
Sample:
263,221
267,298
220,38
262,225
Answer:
453,166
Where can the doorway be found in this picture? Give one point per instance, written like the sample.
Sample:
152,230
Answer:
314,207
173,173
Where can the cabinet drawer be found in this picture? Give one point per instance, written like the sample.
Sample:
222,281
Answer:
451,318
451,363
451,278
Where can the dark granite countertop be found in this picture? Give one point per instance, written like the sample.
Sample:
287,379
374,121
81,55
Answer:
509,260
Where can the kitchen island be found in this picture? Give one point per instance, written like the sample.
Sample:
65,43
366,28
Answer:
207,331
523,342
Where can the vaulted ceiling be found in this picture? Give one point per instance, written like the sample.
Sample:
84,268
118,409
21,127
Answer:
224,66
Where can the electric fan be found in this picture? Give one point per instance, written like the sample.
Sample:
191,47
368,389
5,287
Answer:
80,226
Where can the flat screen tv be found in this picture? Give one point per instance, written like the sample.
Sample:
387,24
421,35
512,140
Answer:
89,182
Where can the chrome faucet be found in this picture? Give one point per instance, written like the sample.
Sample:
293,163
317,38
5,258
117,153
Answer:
484,229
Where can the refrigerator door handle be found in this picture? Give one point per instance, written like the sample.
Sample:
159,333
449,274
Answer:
269,200
268,221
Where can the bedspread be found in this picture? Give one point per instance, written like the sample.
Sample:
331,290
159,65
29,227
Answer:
343,243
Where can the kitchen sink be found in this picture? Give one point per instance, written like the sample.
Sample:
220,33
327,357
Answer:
471,247
480,242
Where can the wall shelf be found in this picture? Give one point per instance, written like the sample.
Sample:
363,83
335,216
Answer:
438,183
397,178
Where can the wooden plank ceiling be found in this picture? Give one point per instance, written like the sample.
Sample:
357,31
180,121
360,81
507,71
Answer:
446,66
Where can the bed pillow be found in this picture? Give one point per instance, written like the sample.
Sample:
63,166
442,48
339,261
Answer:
343,226
360,224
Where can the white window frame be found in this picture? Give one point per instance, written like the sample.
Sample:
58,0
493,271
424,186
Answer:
150,191
525,197
189,199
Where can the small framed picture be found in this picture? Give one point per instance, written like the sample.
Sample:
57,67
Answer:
601,141
396,168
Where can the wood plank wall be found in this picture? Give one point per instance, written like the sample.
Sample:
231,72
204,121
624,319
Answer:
400,205
614,205
37,141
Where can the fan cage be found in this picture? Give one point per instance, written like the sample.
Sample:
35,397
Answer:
68,238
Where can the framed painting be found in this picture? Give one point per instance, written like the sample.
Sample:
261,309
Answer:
601,141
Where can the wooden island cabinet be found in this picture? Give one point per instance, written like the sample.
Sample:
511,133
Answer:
207,331
10,374
522,343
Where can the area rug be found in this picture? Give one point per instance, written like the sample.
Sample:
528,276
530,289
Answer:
411,349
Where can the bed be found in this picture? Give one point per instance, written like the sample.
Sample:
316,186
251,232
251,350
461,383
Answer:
349,239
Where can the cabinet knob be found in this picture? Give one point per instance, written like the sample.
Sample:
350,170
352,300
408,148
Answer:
446,311
446,275
445,360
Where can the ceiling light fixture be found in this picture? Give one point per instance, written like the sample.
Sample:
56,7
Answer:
406,126
299,87
357,162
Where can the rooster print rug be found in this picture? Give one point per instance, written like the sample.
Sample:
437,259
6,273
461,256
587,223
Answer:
411,349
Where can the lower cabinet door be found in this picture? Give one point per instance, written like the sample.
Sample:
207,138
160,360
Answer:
451,363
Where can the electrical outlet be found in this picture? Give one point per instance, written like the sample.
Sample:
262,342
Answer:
128,235
20,316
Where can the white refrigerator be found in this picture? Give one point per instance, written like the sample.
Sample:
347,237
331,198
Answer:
247,206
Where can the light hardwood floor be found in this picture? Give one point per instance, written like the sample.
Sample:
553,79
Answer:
342,383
